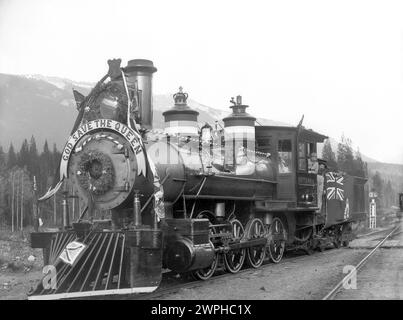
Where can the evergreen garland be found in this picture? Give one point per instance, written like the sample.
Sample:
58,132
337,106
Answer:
105,181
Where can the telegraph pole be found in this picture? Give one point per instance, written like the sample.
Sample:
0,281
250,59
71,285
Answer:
22,200
12,201
17,215
54,209
74,202
35,207
372,210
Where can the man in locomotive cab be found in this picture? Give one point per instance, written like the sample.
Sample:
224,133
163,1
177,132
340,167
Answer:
322,167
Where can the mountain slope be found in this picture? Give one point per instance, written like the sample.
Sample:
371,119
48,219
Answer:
45,107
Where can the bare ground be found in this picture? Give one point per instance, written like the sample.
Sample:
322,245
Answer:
18,273
382,276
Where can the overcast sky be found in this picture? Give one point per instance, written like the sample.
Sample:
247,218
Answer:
337,62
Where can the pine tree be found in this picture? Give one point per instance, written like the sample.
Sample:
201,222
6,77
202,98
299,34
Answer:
329,156
359,166
12,157
56,156
46,148
389,194
3,160
46,168
23,156
33,165
345,156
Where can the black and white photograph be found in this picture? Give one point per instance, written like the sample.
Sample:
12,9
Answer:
201,155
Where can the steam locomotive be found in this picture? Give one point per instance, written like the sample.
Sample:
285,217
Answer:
189,198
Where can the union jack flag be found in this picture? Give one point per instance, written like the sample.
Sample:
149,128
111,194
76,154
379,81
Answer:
334,188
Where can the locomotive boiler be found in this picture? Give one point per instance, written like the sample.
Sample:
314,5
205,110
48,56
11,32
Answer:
190,198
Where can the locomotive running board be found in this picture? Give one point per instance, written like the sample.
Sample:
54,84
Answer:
111,263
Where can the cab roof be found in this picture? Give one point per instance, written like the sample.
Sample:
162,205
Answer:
304,134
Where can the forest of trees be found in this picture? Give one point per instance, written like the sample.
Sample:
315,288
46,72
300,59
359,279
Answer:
351,162
346,160
17,172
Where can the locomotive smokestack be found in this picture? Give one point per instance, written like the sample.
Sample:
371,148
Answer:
142,70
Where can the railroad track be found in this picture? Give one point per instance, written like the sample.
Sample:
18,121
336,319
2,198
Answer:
195,283
348,277
170,284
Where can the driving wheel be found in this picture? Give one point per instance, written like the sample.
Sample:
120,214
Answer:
276,240
234,259
256,254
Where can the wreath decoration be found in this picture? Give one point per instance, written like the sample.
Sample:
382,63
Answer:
95,172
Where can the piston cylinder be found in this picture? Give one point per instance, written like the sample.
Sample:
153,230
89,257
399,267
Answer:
182,255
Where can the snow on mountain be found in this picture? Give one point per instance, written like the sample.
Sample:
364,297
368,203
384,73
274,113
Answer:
61,83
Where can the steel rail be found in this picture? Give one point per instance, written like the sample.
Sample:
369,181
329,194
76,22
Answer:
358,266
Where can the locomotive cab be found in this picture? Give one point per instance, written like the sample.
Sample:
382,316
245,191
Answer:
294,150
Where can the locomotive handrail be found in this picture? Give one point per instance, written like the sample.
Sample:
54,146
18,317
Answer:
197,196
246,179
190,196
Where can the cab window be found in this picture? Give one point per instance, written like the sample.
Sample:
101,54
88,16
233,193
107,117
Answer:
302,158
284,156
305,150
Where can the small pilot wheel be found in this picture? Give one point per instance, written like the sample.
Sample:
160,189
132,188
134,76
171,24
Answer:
234,259
255,255
208,272
276,240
